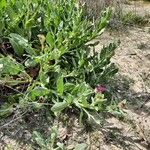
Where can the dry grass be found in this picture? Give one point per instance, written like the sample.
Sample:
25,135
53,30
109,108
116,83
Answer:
94,7
125,12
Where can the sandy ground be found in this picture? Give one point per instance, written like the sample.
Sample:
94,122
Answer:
133,84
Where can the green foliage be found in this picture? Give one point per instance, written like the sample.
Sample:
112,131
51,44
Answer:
132,18
55,61
20,44
9,66
50,143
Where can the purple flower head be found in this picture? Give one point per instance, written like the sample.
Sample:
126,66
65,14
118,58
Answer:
100,89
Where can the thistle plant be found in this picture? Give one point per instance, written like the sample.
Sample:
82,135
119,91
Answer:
49,59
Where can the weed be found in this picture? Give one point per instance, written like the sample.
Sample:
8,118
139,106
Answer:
132,19
49,60
50,142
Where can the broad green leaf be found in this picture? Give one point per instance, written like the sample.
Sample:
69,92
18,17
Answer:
62,50
29,23
50,39
8,66
20,44
19,50
60,85
59,106
38,92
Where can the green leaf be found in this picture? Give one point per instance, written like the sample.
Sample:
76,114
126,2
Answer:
20,44
53,137
36,105
109,72
19,50
3,4
82,146
6,109
59,106
69,86
60,85
38,92
81,116
30,63
92,117
1,26
39,139
108,51
8,66
50,39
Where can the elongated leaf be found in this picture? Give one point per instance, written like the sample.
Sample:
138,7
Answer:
59,106
60,85
19,50
50,39
20,44
37,92
1,26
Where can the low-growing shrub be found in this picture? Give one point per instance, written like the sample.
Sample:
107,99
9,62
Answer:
45,58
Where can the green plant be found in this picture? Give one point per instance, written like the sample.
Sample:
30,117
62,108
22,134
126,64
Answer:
132,18
50,58
50,143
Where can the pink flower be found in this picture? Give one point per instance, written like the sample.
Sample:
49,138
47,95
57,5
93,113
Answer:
100,89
